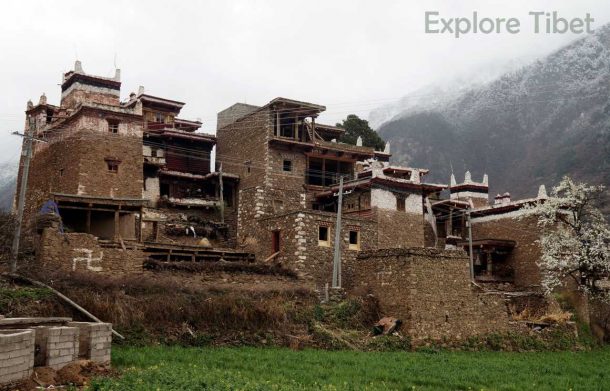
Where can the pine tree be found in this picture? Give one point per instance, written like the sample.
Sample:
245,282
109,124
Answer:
354,127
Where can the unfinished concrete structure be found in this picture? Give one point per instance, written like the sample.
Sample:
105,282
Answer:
128,179
26,343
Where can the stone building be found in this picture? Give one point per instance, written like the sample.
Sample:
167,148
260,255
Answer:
504,233
129,179
289,170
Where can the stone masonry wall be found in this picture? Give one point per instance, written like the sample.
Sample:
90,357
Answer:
16,354
300,249
82,252
526,252
399,229
429,290
242,148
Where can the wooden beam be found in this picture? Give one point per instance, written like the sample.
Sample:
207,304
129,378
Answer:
88,224
117,226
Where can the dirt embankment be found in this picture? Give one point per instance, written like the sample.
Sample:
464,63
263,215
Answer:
215,307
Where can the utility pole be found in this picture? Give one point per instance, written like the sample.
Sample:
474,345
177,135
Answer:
27,154
337,255
222,198
470,246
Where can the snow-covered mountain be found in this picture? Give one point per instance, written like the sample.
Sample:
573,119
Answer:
444,91
525,128
8,176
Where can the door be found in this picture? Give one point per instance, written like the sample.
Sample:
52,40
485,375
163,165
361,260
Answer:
275,241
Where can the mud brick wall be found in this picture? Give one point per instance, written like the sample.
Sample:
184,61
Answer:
82,252
16,355
46,175
76,165
95,340
429,290
62,346
299,246
95,179
524,231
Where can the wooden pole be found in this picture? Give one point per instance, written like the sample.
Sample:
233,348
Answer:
27,153
61,296
337,254
221,195
470,246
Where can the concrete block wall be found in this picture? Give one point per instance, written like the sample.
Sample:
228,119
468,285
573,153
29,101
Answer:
16,354
62,346
95,340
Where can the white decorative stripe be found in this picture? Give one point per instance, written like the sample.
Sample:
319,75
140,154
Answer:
468,194
507,215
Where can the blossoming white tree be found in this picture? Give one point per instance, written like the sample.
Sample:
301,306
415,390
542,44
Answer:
575,239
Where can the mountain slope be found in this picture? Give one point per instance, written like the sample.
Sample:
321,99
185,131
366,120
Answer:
526,128
8,181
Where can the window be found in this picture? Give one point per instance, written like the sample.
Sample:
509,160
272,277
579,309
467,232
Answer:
400,203
113,166
323,236
354,240
287,165
61,172
113,126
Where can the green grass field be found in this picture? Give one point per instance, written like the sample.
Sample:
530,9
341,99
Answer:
175,368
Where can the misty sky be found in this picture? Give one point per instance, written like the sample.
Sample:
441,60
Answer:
351,56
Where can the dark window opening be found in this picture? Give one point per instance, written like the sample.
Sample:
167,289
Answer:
287,165
113,166
287,125
164,189
323,236
400,203
275,242
113,126
61,172
326,172
227,195
354,240
49,116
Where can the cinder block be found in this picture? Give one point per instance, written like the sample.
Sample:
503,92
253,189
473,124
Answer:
16,354
95,340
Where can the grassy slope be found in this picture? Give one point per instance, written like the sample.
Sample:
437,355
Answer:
175,368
